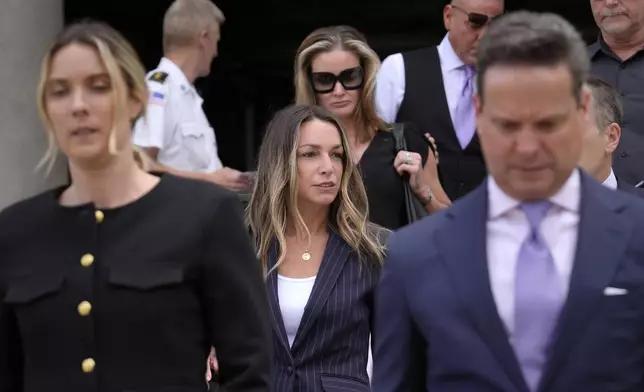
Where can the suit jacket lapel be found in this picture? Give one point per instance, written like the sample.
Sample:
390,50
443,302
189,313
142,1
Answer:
335,256
273,300
602,239
466,262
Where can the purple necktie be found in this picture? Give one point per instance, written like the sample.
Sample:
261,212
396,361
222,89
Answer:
464,116
538,298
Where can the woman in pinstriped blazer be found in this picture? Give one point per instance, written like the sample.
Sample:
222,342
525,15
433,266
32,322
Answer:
322,258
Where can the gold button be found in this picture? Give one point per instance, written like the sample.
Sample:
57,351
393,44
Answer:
88,365
84,308
99,216
87,260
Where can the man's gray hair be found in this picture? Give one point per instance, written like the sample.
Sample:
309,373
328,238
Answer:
606,102
534,39
185,19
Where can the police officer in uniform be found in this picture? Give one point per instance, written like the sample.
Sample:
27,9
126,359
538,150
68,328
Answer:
175,131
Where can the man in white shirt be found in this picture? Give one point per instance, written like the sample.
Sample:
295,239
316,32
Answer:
602,135
533,281
433,87
175,131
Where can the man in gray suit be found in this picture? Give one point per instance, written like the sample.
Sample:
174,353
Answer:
618,58
602,136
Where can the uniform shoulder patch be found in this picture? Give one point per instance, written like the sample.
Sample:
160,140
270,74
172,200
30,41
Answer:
159,77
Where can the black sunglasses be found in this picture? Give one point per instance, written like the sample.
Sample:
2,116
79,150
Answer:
324,82
475,19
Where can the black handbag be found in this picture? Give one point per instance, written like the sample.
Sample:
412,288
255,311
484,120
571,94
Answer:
414,207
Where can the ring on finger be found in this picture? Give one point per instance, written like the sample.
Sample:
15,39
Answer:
408,160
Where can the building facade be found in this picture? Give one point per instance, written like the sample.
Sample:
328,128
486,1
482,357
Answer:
27,28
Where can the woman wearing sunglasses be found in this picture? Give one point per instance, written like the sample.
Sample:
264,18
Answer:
336,69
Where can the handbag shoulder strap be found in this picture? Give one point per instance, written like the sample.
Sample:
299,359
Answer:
398,131
413,208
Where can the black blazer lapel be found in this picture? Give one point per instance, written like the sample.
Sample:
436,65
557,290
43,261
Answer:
602,238
273,299
335,256
462,246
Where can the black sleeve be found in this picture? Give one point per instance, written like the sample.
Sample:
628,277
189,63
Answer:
235,300
10,352
11,357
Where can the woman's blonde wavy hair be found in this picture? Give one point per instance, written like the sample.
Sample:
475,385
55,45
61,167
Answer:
345,38
276,188
123,66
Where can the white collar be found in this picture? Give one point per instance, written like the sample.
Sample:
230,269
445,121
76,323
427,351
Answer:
449,59
611,181
568,197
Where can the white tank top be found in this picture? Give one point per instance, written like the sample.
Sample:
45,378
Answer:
293,295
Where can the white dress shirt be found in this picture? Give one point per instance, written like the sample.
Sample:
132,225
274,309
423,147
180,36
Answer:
507,229
390,85
611,181
176,124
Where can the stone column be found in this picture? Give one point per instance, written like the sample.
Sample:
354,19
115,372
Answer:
27,28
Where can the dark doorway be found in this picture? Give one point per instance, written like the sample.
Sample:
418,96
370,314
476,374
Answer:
252,78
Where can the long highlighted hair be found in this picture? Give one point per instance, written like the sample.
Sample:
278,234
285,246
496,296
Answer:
276,188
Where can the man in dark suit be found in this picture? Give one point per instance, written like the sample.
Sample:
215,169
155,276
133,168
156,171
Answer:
527,283
433,87
602,136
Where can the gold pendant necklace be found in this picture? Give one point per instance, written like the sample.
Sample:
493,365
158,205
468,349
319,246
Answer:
306,256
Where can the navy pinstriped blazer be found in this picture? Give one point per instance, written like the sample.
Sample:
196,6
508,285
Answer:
329,353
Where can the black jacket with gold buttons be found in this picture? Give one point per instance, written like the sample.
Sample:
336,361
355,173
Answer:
131,299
